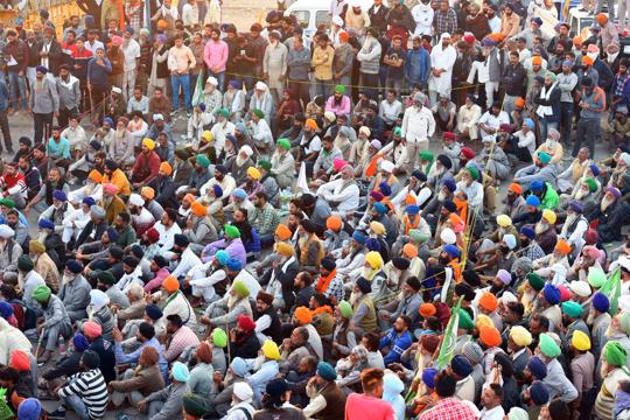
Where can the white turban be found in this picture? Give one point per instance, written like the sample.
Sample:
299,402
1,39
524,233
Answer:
6,232
136,200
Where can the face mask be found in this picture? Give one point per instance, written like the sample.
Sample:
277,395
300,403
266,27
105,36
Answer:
593,55
550,143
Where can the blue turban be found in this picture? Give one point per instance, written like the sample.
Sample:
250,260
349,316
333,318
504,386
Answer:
538,21
46,224
539,393
552,294
537,367
239,367
452,250
530,123
528,231
6,310
153,311
89,201
359,237
326,371
532,200
595,169
234,264
576,206
364,285
108,121
60,195
80,343
373,244
601,302
41,69
385,189
412,210
74,266
113,234
537,186
380,208
449,183
487,42
239,193
428,377
461,366
218,191
222,256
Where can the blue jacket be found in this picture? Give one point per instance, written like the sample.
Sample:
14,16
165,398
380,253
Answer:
97,75
4,96
417,66
606,76
397,345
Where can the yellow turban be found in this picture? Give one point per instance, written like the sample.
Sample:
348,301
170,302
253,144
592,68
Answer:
254,173
374,259
484,320
521,336
549,216
271,350
285,249
378,228
148,143
207,136
166,168
504,220
580,341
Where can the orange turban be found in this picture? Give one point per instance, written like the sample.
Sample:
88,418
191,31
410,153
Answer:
516,188
166,168
410,250
410,200
427,310
198,209
343,36
20,361
577,40
489,302
602,19
283,232
489,336
519,102
95,176
334,223
170,284
586,60
563,247
310,123
303,315
147,193
537,60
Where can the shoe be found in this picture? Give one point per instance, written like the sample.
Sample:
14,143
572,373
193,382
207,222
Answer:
59,413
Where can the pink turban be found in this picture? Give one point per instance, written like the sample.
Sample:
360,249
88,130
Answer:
110,189
117,40
92,330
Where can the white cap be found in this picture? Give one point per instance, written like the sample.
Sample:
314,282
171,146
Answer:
243,391
247,150
387,166
336,20
212,80
98,299
448,236
136,200
6,232
157,117
260,86
580,288
330,116
116,89
365,131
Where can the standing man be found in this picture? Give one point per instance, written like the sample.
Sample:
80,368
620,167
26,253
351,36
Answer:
417,127
443,58
275,65
180,60
131,51
592,105
69,90
4,120
16,56
215,55
44,103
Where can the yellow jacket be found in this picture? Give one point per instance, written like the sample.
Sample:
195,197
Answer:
322,62
119,179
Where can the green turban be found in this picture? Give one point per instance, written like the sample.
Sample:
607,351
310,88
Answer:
41,294
465,321
203,161
544,157
231,231
264,164
219,338
572,309
536,281
548,346
346,309
596,277
474,173
223,112
340,89
25,263
7,202
284,143
257,112
240,289
194,405
426,155
615,354
106,277
592,185
417,236
397,131
624,322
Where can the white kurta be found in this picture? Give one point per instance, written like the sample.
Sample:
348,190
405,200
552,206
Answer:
442,58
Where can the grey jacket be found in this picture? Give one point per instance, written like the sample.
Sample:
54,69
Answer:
69,93
44,100
370,55
344,58
55,313
299,63
172,397
75,296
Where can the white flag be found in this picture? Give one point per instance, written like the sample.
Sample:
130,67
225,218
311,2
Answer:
302,185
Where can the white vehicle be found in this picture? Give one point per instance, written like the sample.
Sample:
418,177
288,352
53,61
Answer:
311,14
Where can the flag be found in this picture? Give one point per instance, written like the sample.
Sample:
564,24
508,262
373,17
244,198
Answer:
302,184
197,97
612,289
449,339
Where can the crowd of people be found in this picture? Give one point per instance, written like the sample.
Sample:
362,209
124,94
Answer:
419,212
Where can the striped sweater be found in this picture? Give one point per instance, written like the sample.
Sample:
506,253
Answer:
90,387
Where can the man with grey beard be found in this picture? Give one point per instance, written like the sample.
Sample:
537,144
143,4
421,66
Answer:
610,215
575,225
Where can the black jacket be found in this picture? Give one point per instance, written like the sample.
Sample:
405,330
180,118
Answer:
515,79
247,347
379,19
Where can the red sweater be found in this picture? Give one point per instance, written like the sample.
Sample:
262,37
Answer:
146,167
364,407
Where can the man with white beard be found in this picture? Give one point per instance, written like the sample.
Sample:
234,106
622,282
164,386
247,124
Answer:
75,291
141,218
570,176
440,170
364,312
443,58
239,166
423,16
418,126
586,193
121,149
74,223
468,117
610,215
574,227
359,150
342,194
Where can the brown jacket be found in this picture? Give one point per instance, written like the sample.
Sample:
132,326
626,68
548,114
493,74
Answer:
146,381
46,268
